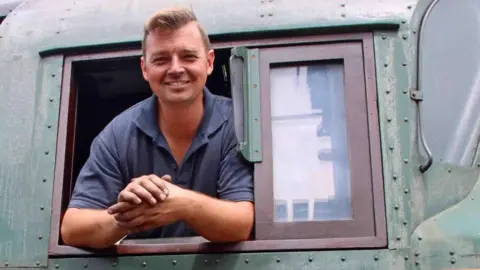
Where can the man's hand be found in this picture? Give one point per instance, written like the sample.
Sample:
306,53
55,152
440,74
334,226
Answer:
145,216
148,189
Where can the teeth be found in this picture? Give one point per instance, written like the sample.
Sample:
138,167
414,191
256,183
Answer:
177,83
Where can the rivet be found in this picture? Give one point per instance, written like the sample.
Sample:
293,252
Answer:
399,238
205,262
46,152
44,180
405,91
449,170
405,161
409,7
417,254
404,21
49,126
254,86
51,99
6,264
343,15
174,262
419,238
343,259
405,191
385,65
114,264
262,15
406,258
246,261
404,37
404,64
40,237
452,253
256,152
256,119
53,75
144,264
217,261
310,259
388,91
384,37
41,208
57,266
389,119
342,5
478,165
405,119
453,261
278,260
85,265
405,222
396,206
395,177
58,32
270,14
391,147
375,258
37,263
417,262
414,32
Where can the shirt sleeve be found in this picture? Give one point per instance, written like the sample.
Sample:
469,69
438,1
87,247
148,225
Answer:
236,173
100,180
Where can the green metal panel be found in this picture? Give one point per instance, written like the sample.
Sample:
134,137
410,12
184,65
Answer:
27,160
364,259
251,146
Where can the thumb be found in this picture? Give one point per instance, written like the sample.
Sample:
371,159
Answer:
167,178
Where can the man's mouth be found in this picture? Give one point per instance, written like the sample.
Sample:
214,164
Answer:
177,83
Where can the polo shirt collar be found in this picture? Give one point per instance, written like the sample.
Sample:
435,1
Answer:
213,118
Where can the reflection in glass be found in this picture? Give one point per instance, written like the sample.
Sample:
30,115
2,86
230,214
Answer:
310,147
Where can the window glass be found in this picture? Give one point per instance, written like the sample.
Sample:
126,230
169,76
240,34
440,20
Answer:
450,74
309,140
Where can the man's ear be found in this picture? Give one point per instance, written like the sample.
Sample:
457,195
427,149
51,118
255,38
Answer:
210,61
144,68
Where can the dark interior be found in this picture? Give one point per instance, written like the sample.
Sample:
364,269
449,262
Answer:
105,88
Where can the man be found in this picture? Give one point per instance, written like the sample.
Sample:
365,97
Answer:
168,166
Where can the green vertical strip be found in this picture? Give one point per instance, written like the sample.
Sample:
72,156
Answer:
253,106
27,175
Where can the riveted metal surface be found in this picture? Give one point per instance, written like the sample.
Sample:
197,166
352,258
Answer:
390,54
25,140
361,259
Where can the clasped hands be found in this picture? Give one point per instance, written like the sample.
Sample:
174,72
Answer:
143,204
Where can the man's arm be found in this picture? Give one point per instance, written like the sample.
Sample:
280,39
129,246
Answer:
218,220
90,228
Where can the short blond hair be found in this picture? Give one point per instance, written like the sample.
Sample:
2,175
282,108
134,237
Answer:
173,19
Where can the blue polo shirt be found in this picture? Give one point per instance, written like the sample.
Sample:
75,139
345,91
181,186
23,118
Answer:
132,145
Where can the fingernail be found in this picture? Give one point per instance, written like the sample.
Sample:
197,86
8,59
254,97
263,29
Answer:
138,201
166,191
163,197
153,201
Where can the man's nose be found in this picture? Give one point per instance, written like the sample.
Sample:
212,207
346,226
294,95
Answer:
176,66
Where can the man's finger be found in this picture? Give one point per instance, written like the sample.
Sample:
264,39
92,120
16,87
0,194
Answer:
128,196
160,182
120,207
141,192
134,223
132,213
156,191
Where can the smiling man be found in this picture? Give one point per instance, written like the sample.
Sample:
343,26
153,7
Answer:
168,166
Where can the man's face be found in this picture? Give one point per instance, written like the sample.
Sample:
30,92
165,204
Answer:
176,64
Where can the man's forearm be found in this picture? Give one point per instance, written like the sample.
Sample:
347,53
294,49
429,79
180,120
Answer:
90,228
218,220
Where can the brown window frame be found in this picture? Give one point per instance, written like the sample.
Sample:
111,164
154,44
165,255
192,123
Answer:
66,142
359,119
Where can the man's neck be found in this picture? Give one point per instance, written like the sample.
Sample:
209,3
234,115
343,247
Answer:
181,121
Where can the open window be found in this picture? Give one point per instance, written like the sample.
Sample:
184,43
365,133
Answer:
319,174
306,115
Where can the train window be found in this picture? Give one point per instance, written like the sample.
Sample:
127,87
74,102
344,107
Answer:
450,81
319,176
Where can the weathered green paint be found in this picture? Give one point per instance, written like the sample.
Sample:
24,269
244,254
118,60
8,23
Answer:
251,147
29,138
368,260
